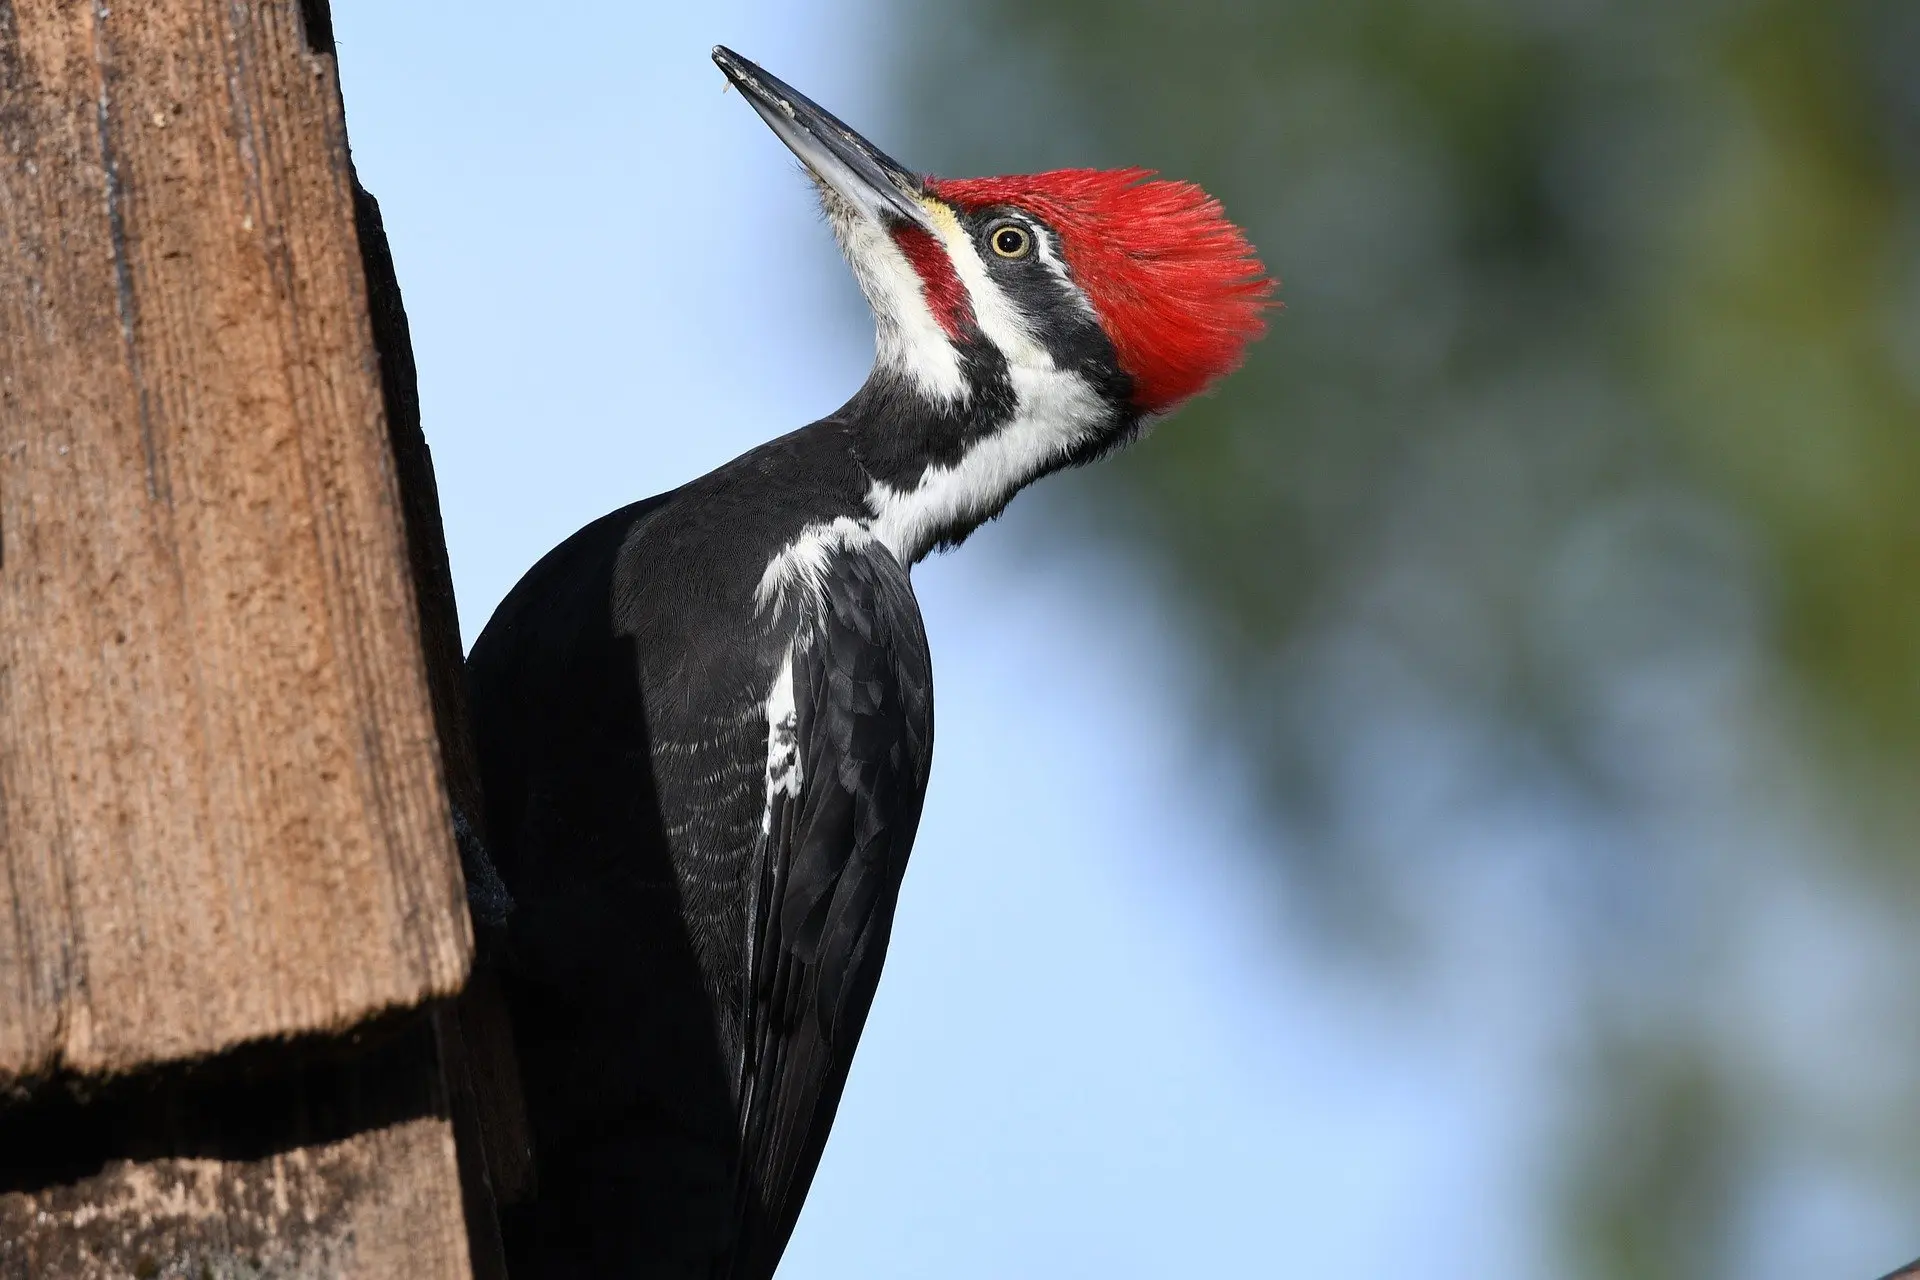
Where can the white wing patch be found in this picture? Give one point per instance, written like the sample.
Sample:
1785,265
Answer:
783,742
802,564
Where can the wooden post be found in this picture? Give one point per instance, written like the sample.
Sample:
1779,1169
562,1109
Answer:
229,681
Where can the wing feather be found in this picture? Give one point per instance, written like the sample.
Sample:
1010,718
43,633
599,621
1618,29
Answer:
834,856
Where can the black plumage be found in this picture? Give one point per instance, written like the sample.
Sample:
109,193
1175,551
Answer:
692,954
705,724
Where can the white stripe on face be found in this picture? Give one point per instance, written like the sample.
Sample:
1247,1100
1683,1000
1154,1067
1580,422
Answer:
1056,410
1049,253
908,338
993,311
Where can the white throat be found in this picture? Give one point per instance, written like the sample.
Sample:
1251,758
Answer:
907,335
1057,410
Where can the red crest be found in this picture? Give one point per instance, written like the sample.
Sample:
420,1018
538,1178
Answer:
1177,287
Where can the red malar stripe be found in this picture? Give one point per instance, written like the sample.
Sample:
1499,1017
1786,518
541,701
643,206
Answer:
945,295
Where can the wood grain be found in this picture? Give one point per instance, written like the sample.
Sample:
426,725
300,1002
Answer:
496,1147
383,1203
321,1155
222,814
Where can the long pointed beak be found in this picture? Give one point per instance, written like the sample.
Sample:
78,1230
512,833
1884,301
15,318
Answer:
853,168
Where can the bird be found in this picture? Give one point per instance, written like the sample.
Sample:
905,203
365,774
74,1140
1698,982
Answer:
705,721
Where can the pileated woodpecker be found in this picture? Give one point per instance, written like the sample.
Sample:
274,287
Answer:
705,721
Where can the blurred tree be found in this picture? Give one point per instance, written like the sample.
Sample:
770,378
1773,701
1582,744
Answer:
1580,481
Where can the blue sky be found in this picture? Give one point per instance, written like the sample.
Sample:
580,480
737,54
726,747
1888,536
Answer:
1094,1052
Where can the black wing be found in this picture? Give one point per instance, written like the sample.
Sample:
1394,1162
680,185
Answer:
835,851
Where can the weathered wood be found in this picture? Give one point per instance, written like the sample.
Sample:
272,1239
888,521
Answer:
371,1205
476,1036
323,1158
222,814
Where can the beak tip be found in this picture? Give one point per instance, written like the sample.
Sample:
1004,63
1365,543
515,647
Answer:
729,62
818,138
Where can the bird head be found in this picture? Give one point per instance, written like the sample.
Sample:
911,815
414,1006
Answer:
1023,323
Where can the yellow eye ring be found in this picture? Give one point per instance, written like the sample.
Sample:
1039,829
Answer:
1009,241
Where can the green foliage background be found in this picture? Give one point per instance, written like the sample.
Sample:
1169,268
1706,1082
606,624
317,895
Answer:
1579,481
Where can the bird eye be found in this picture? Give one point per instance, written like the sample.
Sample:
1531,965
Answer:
1011,242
